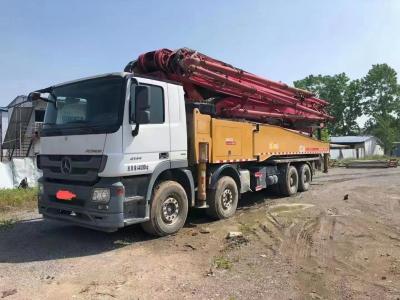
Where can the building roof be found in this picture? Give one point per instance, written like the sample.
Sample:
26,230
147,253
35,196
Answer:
351,139
338,146
17,101
3,109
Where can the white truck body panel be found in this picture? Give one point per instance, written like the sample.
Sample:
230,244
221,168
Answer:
177,116
140,154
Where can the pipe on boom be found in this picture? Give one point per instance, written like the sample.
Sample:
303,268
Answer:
238,94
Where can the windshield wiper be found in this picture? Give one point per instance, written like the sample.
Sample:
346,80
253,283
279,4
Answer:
85,129
77,122
61,130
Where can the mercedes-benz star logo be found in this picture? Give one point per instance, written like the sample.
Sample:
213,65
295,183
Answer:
66,166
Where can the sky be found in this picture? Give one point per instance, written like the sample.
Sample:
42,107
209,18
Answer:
47,42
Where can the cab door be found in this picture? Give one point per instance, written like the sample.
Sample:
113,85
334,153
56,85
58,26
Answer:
151,146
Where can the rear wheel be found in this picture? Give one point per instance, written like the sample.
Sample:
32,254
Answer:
223,200
168,209
289,181
304,177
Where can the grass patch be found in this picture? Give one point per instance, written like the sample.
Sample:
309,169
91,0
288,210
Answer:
17,198
222,262
246,229
7,224
121,243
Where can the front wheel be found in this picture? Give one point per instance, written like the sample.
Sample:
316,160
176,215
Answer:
168,209
223,200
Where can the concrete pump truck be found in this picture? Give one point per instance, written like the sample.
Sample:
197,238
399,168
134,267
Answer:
175,130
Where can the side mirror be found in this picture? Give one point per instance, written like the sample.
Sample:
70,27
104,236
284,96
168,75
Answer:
141,104
35,96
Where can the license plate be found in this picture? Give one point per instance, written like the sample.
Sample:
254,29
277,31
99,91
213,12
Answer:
65,195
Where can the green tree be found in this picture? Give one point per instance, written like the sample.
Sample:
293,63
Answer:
386,130
344,98
353,109
380,91
381,102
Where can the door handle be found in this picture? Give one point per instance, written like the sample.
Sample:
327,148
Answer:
163,155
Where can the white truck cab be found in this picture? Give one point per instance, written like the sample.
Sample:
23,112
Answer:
104,143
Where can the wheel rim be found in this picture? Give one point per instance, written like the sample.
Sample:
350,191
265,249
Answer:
306,177
293,180
170,210
227,199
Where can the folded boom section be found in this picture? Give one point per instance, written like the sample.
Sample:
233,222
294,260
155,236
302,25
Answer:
233,92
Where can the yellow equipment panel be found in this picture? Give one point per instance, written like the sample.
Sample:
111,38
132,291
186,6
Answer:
199,132
272,140
232,141
236,141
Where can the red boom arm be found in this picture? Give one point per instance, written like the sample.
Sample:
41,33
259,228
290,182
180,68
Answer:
234,92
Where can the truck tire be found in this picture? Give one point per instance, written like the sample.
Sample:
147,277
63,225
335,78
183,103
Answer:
222,201
168,209
304,177
289,181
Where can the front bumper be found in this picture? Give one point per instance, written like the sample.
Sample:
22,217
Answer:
120,211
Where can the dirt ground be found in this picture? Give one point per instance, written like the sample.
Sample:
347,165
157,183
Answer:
316,245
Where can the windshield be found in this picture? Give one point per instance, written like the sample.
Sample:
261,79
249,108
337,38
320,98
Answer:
93,105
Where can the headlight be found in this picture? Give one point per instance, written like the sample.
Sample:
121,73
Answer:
101,195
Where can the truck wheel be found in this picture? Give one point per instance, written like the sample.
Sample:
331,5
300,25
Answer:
223,200
168,209
304,177
289,182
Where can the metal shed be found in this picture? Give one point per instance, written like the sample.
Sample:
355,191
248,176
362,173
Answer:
24,122
358,146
